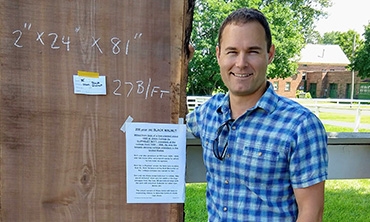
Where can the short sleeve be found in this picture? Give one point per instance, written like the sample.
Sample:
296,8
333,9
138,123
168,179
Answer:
191,123
309,156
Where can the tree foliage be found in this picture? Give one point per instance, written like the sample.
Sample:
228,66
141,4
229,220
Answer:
349,41
361,62
314,37
291,22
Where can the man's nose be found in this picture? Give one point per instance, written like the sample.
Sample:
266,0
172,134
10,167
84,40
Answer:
241,60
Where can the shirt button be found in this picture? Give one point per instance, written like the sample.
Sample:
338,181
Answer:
224,209
226,182
228,155
259,153
234,127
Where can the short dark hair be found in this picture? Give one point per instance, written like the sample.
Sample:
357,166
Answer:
245,15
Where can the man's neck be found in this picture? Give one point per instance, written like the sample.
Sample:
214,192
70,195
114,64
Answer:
240,104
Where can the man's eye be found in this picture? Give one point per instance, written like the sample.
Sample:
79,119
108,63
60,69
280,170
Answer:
231,52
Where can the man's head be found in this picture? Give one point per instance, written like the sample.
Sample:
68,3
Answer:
244,52
245,15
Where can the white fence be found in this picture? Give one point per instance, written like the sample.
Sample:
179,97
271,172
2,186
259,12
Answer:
194,101
359,108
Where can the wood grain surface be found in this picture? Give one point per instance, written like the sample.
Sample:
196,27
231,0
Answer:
62,154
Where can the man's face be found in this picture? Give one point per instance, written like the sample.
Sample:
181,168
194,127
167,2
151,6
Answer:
243,58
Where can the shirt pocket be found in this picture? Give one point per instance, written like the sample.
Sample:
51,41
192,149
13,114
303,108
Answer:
208,141
261,154
263,164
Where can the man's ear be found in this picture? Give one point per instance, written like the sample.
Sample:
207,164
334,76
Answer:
271,53
218,53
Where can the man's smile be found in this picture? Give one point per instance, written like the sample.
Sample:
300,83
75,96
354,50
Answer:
241,75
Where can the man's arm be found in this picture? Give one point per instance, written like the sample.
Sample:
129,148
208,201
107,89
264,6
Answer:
310,202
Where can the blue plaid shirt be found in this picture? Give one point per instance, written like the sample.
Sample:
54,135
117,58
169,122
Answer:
272,148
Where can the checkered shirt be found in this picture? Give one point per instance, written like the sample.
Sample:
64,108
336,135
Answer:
272,148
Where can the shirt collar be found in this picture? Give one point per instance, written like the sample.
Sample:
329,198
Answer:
224,107
269,99
267,102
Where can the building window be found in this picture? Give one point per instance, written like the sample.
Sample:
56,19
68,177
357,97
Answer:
276,86
365,89
287,86
304,75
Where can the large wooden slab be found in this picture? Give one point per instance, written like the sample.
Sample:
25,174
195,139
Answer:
63,155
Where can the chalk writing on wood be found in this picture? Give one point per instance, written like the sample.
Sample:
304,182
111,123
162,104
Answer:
141,88
57,40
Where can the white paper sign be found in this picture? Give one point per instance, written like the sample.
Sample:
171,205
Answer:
89,86
156,155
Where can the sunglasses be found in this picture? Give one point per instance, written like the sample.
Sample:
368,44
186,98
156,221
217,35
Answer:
216,143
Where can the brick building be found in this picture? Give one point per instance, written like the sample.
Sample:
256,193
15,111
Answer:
322,72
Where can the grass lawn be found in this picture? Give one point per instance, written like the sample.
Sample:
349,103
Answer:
345,201
330,128
344,117
195,202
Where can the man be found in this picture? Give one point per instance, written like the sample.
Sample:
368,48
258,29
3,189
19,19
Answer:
265,155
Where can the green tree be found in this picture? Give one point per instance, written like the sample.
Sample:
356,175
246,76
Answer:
349,41
204,76
330,38
361,61
291,22
314,37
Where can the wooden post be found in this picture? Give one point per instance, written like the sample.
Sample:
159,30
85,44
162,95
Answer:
62,154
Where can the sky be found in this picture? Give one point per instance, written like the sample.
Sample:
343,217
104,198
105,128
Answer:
344,15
